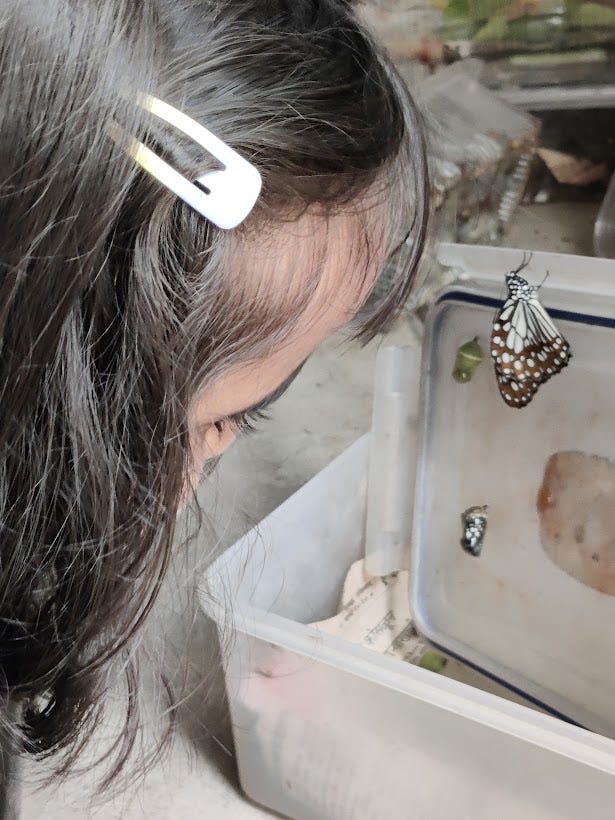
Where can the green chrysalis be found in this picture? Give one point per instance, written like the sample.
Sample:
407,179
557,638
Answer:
469,356
433,661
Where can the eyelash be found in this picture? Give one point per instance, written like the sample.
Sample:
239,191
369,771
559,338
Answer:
244,423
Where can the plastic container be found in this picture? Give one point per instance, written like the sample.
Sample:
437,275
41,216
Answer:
604,229
490,142
455,94
391,478
513,612
327,730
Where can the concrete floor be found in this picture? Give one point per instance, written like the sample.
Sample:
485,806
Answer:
328,407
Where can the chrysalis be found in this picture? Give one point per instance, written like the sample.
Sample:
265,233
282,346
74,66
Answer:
469,356
474,528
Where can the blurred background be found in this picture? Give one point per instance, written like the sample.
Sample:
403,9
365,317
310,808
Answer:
519,97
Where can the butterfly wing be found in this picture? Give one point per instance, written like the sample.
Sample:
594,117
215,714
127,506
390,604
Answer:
517,394
527,349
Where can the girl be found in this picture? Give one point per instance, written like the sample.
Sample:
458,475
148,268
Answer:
140,336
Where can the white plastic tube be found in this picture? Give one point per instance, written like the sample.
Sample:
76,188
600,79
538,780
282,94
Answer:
604,229
392,460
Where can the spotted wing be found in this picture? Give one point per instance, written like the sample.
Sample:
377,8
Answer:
517,394
527,349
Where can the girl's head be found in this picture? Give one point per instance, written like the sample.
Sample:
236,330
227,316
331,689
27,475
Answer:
136,336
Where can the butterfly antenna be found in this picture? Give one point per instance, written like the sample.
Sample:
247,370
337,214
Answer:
527,258
546,276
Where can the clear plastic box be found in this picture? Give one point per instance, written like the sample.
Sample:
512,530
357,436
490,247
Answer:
514,613
327,730
490,142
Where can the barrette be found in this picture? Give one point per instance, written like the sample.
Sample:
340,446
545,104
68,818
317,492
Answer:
225,196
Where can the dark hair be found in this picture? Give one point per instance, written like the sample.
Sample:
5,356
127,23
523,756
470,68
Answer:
119,303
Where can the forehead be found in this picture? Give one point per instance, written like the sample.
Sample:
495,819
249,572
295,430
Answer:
319,273
318,268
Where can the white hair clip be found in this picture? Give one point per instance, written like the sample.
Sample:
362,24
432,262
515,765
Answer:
225,196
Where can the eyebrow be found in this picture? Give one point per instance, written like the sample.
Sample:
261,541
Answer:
276,394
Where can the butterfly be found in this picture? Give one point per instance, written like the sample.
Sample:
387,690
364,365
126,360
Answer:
526,347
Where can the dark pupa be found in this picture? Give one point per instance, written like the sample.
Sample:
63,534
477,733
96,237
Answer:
474,529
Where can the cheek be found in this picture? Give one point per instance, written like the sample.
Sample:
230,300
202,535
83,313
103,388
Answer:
205,453
198,462
201,467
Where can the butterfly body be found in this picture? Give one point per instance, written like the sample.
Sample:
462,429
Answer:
526,347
